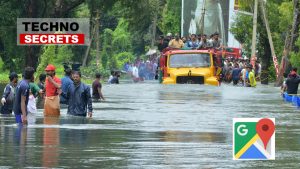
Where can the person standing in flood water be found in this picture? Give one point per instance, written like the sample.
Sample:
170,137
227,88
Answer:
53,89
115,79
22,96
236,74
292,82
251,76
135,73
41,98
8,96
32,106
66,81
41,83
78,97
97,88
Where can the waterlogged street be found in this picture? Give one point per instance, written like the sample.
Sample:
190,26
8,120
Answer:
150,125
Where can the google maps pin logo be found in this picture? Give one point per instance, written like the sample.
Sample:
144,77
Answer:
265,129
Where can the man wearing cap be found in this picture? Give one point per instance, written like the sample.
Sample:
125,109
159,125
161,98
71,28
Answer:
8,96
53,89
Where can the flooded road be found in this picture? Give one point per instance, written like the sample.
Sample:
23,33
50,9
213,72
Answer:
153,126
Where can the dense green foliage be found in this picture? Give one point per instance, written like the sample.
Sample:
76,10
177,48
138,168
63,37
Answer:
171,17
280,17
125,31
117,48
295,57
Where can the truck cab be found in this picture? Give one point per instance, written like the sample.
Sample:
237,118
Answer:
188,67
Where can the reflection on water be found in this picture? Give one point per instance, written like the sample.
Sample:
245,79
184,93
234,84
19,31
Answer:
186,137
153,126
50,143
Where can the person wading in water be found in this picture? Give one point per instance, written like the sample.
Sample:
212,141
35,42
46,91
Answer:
66,81
292,82
22,96
97,87
8,96
78,97
53,89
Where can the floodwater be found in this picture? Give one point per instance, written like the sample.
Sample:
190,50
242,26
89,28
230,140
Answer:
149,125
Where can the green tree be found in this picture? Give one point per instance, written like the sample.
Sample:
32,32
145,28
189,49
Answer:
47,57
295,56
64,54
19,56
121,45
278,16
122,58
140,17
171,17
121,37
107,51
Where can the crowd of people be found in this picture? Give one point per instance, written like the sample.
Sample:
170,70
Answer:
141,69
23,97
191,42
241,72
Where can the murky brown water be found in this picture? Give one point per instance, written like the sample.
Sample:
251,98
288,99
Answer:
153,126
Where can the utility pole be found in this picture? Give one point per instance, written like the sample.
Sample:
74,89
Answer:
154,30
202,18
262,7
88,48
97,38
253,49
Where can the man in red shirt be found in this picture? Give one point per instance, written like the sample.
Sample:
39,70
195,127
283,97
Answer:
53,89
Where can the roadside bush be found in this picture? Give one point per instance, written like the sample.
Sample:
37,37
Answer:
90,71
295,59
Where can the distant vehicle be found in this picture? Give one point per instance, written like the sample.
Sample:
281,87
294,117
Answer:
188,67
230,52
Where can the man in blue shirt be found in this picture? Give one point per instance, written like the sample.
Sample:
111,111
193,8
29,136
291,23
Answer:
22,94
193,43
78,96
65,83
9,94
